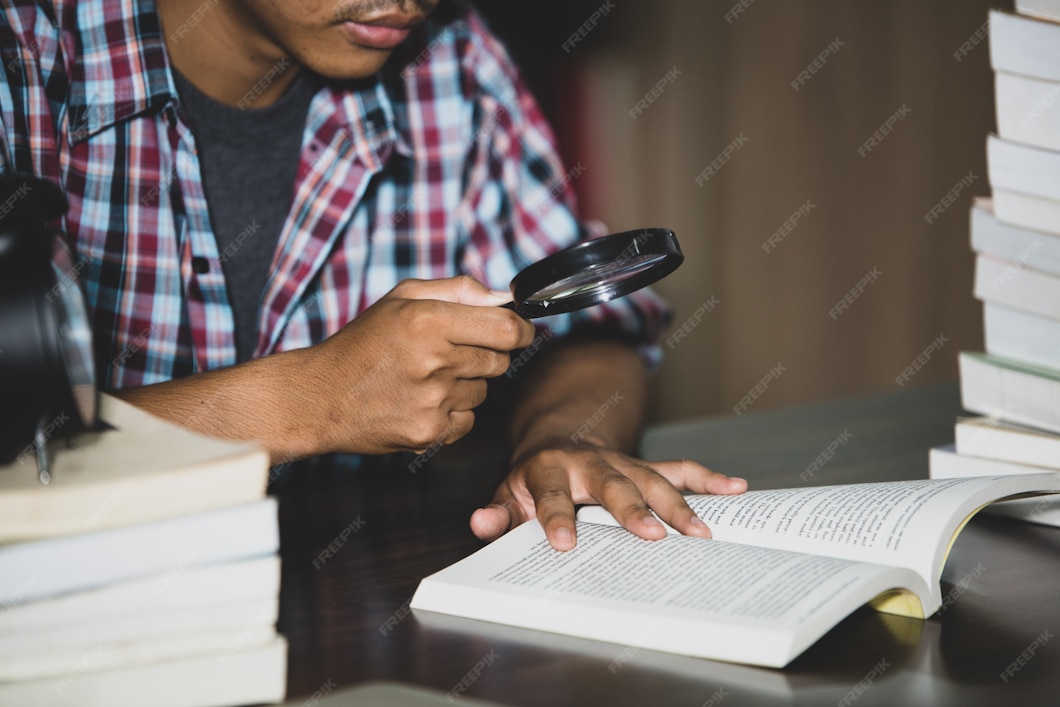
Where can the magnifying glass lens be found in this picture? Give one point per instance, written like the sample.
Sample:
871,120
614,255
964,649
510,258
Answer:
595,271
597,277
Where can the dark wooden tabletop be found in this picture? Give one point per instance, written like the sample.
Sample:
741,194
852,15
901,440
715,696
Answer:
356,543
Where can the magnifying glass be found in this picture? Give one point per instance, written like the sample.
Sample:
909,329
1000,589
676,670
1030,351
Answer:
595,271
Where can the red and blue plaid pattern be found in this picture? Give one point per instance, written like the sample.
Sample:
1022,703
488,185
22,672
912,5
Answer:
440,165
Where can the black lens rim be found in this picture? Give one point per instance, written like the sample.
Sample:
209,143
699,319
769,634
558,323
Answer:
608,249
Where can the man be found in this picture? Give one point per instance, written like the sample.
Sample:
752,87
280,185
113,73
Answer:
253,186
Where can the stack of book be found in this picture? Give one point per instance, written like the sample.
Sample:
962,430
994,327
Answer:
1016,237
146,572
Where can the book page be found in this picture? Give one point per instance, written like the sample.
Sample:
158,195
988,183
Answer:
905,523
722,578
679,594
872,517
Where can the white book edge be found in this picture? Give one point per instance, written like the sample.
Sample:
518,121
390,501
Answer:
252,675
991,236
56,566
114,644
994,438
1017,286
1042,9
1027,211
1023,168
1016,393
181,589
947,463
1026,45
1028,110
1021,336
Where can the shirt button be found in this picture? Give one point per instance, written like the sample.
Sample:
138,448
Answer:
200,265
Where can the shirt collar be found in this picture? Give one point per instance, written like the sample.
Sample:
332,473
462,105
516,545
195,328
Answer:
366,112
123,70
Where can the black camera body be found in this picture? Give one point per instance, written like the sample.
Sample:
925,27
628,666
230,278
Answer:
47,376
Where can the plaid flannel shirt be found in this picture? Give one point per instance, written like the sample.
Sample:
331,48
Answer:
441,164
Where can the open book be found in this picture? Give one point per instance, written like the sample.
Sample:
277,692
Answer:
784,567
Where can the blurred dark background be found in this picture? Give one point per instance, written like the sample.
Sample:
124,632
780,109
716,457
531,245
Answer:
731,66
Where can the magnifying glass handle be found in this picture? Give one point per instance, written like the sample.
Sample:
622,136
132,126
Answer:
515,308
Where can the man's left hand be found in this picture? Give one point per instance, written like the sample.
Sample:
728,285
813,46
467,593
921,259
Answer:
548,483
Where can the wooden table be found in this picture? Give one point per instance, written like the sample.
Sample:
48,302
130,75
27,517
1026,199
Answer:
355,545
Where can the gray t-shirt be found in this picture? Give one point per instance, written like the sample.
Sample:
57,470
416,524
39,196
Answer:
249,160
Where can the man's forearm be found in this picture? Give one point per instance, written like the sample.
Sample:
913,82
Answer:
591,391
404,374
251,401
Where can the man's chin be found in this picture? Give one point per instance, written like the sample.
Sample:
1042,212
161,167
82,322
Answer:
342,66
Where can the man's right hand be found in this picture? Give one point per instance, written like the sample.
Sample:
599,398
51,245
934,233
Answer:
403,376
407,373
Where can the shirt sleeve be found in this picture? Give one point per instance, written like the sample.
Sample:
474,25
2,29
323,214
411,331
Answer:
520,204
32,86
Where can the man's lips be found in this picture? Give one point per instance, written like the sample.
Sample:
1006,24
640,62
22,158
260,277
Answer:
383,33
